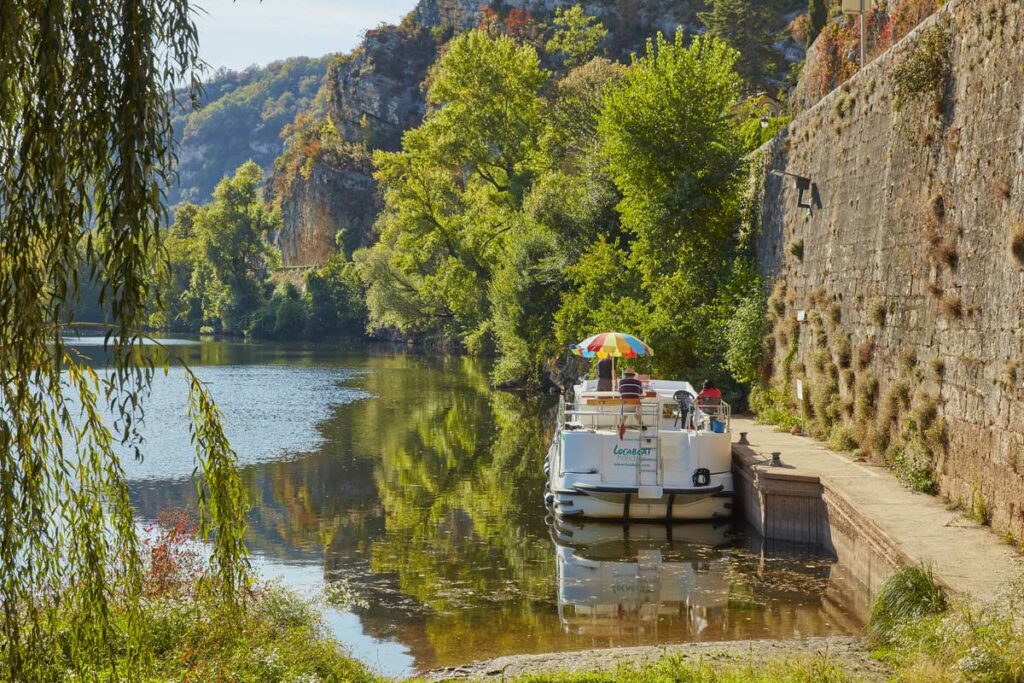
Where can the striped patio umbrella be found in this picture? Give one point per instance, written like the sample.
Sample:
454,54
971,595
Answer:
613,345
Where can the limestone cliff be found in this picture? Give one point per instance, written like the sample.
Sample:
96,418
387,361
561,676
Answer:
899,301
331,208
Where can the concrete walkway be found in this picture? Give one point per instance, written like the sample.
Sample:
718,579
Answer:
966,557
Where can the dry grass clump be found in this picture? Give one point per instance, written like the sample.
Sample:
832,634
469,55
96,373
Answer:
908,358
951,306
938,368
777,301
877,311
864,353
865,403
796,248
1001,187
843,352
819,359
1017,243
941,250
835,313
938,206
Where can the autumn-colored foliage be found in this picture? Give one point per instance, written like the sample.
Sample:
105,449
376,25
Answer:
837,50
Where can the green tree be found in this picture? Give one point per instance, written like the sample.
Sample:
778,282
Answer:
817,13
745,26
668,135
336,302
232,238
577,36
86,144
451,195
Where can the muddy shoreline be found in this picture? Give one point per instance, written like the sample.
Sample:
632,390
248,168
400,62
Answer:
849,652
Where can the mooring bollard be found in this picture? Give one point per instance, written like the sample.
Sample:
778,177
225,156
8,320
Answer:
776,459
743,439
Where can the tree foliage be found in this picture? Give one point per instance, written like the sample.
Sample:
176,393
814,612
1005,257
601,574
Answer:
522,216
85,150
746,26
219,258
452,191
817,12
577,36
241,118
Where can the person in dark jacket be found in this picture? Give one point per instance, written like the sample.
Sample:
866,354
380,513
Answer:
630,386
604,374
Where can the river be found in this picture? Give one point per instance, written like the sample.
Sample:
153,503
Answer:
405,480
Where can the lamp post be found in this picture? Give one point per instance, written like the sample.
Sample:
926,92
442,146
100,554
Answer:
858,7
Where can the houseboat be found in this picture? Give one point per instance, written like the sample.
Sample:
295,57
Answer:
663,457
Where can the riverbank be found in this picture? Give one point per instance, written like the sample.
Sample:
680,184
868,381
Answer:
842,653
865,516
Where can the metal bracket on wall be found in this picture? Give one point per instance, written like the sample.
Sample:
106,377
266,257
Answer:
803,185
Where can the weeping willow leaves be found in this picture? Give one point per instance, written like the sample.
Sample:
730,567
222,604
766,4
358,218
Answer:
85,156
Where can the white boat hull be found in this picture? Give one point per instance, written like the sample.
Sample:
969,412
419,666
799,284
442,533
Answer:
630,507
640,462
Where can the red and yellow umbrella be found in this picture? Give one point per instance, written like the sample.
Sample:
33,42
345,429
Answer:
612,345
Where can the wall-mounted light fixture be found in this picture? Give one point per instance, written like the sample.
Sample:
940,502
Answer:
803,185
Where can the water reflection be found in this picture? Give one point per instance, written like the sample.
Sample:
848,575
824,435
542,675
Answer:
410,480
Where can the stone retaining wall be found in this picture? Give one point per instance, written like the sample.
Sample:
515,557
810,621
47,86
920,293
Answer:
906,276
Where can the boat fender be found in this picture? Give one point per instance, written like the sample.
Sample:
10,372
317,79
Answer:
702,476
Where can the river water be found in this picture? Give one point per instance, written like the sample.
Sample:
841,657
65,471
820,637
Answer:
406,482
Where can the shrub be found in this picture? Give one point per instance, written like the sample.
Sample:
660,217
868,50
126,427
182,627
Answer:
909,594
841,438
912,463
924,71
938,368
745,334
770,407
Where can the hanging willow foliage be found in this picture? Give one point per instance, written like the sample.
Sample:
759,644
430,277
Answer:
85,155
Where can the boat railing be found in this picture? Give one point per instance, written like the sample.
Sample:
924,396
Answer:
709,413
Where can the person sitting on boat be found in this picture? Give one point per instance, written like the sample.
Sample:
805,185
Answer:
604,374
630,386
709,394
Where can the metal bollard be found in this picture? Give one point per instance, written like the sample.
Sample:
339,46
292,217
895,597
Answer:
743,439
776,459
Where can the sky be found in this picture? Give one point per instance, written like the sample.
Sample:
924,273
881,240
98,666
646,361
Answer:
237,33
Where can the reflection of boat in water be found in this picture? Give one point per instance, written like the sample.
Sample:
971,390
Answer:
666,456
617,581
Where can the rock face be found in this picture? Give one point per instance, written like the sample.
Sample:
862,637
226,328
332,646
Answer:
915,259
339,194
375,94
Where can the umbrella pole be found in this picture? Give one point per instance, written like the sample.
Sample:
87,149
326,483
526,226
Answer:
615,379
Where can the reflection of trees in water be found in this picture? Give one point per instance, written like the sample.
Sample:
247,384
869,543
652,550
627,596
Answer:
427,500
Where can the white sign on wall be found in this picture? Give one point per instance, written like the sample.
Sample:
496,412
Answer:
799,390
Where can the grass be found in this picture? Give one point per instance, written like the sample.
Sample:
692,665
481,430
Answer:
925,637
909,594
670,669
189,634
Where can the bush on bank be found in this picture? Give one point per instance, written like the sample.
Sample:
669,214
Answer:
189,634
